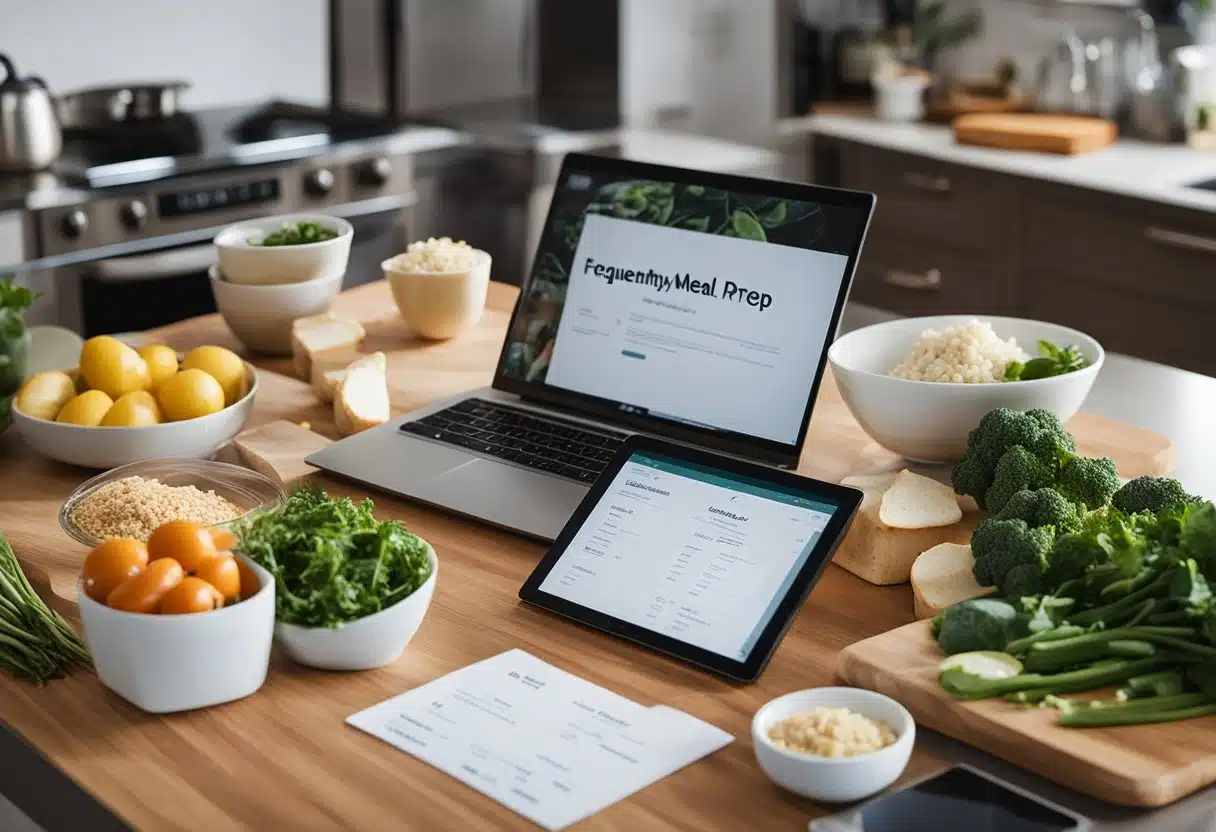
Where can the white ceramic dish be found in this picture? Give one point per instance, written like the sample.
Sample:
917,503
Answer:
929,421
834,779
241,261
167,663
440,305
365,643
98,447
52,348
261,316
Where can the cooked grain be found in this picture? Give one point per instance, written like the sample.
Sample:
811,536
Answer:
134,506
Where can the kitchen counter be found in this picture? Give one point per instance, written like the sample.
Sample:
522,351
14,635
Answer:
1142,170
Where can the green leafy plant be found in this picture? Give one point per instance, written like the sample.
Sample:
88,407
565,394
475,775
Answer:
935,32
1051,361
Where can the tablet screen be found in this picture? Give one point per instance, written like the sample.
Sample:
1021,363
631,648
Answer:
693,552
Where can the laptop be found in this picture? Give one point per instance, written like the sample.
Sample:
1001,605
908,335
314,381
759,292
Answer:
694,306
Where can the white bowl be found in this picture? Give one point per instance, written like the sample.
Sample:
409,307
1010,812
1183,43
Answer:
834,779
373,641
440,305
166,663
261,316
929,421
243,262
105,447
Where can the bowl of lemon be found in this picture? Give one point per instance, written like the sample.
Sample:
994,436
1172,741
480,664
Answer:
122,404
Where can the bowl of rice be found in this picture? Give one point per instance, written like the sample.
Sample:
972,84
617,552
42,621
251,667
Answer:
439,286
918,386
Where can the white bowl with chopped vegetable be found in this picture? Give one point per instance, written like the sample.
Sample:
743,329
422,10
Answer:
918,386
291,248
835,744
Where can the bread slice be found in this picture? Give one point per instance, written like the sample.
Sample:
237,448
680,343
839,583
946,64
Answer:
361,400
327,372
324,335
943,576
873,481
916,502
278,450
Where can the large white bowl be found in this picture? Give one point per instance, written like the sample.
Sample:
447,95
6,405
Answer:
929,421
834,779
373,641
106,447
166,663
261,316
242,262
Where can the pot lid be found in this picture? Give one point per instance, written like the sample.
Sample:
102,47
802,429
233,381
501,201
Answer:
11,83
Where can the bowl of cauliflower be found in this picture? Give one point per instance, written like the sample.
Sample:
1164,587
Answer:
918,386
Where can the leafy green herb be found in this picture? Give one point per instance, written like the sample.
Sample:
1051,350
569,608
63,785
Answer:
332,560
1053,360
299,234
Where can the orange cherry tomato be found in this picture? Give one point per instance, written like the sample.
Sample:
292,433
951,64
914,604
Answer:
223,539
250,582
187,543
222,573
191,595
110,563
144,592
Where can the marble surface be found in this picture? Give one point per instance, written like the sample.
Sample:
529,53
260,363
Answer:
1143,170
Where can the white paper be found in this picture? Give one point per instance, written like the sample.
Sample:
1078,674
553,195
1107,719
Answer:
551,746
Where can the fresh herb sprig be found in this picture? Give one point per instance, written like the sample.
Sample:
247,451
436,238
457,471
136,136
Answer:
1052,360
299,234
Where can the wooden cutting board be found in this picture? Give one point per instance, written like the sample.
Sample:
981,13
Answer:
1143,765
1035,131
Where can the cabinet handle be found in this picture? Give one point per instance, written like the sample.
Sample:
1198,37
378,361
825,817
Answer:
1179,239
922,182
930,281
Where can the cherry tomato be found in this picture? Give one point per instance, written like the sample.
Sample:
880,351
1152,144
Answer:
222,573
143,592
110,563
191,595
223,539
250,582
187,543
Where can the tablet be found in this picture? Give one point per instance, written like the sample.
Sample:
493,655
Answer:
700,556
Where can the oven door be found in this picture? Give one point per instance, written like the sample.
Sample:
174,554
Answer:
149,290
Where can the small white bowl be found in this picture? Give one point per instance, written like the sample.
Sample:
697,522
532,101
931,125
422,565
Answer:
365,643
440,305
106,447
167,663
926,421
834,779
243,261
261,316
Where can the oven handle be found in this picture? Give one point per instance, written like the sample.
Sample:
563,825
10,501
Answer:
160,265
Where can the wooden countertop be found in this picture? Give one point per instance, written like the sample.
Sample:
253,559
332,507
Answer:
284,759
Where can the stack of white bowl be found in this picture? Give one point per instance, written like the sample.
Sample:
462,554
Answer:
260,290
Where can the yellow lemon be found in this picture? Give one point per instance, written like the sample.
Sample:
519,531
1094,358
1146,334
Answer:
113,367
223,365
43,395
88,409
189,394
161,360
133,410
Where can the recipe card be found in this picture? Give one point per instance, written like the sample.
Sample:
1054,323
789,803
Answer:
551,746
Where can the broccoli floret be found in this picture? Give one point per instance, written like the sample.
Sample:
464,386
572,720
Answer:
1151,494
977,624
1089,481
1071,554
1042,507
1037,431
1011,556
1018,470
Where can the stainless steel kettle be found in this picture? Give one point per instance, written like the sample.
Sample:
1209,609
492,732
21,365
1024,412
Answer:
30,138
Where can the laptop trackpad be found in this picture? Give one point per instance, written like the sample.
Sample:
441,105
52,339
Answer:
510,496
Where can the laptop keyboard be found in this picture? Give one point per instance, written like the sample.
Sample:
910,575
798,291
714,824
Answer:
544,443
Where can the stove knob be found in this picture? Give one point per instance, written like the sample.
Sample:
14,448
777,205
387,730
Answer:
134,214
319,182
74,223
375,172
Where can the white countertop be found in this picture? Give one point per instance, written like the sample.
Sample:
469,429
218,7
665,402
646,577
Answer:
1143,170
667,147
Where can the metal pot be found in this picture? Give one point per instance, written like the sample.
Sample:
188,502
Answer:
30,138
100,106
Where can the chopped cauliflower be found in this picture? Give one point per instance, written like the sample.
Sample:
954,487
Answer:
968,354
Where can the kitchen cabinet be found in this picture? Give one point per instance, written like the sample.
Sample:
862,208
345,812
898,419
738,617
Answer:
948,238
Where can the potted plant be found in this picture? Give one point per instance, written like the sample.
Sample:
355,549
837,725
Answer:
936,31
14,341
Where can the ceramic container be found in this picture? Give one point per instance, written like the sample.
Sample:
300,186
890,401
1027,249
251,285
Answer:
440,305
261,316
242,260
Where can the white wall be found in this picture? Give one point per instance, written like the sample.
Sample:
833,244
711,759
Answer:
232,50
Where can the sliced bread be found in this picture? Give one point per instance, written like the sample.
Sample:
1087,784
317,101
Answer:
361,400
942,576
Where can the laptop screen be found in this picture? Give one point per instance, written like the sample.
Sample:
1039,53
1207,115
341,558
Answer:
680,300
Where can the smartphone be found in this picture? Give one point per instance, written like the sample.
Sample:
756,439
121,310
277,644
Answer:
960,799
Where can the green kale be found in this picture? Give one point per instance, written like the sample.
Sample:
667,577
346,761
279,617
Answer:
1011,556
299,234
1197,536
1088,481
1035,431
1153,494
1041,507
977,624
1189,588
1125,546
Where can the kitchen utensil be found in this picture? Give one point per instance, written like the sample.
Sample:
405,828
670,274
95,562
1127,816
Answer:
440,305
98,106
243,261
1153,110
1144,765
30,138
928,421
1083,77
1046,133
834,779
261,316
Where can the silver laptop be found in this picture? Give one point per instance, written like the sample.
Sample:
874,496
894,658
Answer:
690,305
